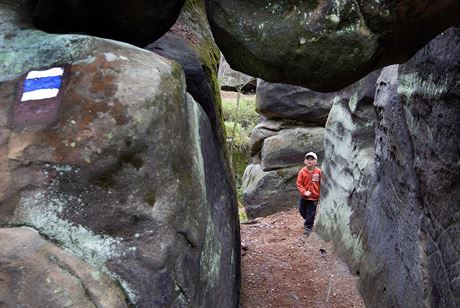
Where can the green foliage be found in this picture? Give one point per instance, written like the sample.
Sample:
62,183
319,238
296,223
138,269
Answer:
240,118
244,114
242,213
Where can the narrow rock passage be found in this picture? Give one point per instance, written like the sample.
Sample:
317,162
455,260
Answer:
281,267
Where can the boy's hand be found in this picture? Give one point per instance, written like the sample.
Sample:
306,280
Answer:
307,193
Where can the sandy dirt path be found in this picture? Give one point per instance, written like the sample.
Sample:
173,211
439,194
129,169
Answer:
281,267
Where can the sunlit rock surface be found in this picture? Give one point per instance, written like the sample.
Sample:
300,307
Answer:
324,45
348,168
37,273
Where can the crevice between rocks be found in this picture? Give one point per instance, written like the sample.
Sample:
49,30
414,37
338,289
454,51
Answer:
189,241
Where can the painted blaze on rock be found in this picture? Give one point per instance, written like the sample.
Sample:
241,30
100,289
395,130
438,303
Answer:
39,97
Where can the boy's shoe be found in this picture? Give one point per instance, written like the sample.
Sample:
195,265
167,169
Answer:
307,231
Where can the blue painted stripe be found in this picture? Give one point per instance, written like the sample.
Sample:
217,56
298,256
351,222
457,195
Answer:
42,83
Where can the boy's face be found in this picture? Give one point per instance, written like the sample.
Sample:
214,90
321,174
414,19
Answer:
310,161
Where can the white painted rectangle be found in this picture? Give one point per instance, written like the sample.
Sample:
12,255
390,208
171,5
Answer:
39,94
55,71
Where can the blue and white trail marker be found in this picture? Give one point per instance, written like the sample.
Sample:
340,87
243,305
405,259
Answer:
42,84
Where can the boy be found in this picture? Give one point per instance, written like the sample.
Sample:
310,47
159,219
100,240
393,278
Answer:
308,184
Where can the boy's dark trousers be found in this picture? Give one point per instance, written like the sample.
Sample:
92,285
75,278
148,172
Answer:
307,209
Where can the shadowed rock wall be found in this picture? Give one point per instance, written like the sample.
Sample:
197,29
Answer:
324,45
138,22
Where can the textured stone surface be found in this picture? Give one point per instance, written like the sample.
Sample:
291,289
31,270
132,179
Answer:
121,169
324,45
269,192
260,132
284,101
348,168
37,273
403,236
277,150
231,80
138,22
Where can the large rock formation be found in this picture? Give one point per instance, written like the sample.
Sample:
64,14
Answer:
268,192
293,102
402,233
117,165
324,45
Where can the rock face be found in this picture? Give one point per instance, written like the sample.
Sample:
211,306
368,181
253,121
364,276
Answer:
119,166
190,43
137,22
404,228
297,41
288,147
231,80
36,271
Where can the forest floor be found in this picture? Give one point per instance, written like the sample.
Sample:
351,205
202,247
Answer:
281,267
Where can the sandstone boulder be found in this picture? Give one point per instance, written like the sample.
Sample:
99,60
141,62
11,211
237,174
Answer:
417,161
284,101
120,167
231,80
269,192
348,168
324,45
260,132
288,147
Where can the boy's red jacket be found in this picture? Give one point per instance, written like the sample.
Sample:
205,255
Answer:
311,181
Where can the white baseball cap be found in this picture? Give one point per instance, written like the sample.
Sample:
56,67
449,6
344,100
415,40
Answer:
311,154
